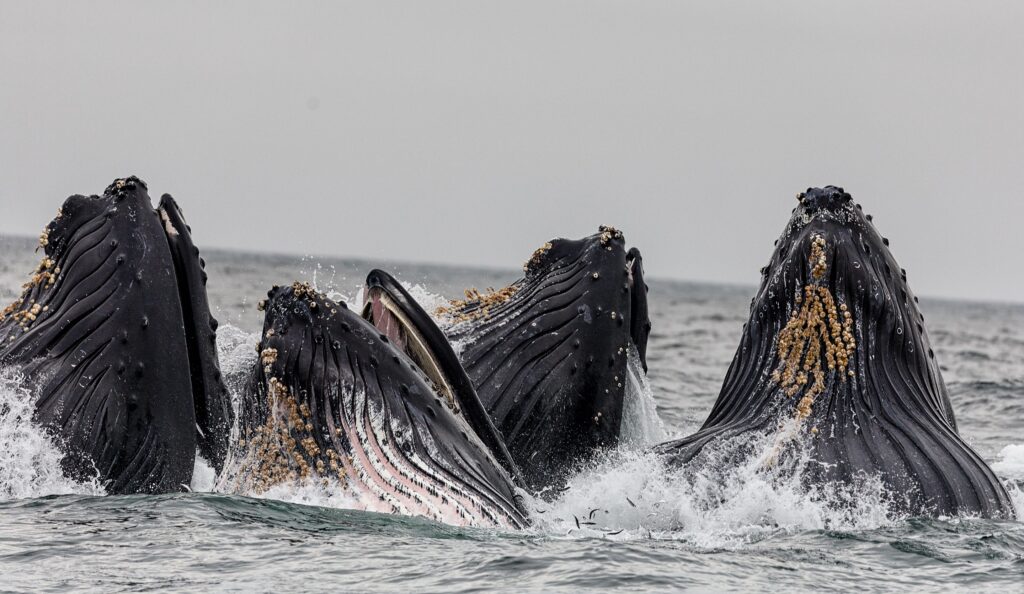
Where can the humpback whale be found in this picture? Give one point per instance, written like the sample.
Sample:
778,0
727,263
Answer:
548,354
367,408
835,363
114,332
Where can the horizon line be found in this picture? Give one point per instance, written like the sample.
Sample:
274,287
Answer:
501,269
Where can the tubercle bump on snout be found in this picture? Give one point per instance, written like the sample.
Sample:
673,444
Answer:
827,197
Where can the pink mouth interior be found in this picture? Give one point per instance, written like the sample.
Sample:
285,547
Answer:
384,321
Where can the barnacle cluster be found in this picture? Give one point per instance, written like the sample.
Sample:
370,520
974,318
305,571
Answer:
304,291
608,233
44,236
300,291
536,257
24,310
268,357
817,341
283,448
476,305
24,317
44,275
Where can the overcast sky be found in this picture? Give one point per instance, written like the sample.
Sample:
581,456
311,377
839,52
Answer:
471,132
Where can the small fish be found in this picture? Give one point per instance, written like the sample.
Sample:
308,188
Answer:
592,512
630,501
615,533
577,522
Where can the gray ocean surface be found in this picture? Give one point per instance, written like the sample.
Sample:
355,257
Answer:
625,524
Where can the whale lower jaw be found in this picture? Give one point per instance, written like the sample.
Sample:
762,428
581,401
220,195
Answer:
366,464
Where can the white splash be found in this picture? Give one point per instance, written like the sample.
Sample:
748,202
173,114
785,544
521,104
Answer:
1011,462
317,492
428,300
29,458
711,504
236,350
204,477
1010,466
641,425
1017,498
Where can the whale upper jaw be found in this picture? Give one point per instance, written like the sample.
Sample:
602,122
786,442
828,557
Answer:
115,330
394,312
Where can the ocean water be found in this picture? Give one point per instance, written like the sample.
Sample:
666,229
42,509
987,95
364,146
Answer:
625,523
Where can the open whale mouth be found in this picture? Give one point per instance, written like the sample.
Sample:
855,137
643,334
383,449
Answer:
334,397
397,315
392,311
639,315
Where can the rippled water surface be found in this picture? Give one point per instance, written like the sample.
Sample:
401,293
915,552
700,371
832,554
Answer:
624,524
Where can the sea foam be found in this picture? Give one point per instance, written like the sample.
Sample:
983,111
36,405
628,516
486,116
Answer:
29,458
